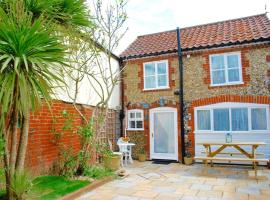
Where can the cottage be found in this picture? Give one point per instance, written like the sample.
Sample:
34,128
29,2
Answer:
226,88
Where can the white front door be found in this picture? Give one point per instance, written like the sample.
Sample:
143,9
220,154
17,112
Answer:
163,133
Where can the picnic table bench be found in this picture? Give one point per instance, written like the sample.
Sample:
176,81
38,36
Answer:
249,156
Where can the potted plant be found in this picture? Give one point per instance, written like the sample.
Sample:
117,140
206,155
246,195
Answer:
142,155
111,160
188,159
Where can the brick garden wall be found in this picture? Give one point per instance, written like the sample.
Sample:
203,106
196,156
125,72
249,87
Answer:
50,130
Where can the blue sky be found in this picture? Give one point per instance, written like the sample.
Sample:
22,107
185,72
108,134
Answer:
150,16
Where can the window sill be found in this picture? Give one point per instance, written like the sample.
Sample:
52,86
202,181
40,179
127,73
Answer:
153,89
227,84
232,132
141,129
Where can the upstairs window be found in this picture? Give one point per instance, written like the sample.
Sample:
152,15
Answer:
135,119
156,75
226,69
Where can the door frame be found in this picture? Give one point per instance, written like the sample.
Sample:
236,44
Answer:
151,135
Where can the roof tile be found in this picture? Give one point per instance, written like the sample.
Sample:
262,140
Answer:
252,28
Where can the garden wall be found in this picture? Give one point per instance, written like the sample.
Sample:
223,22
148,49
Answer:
52,130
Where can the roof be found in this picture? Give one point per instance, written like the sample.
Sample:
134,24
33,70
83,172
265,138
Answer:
254,28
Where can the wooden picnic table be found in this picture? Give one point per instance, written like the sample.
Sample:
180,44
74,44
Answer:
250,156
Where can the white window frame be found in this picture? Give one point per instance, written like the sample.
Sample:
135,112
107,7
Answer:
230,105
135,119
226,69
156,75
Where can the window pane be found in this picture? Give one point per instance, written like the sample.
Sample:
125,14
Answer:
232,61
149,69
138,115
218,76
217,62
162,80
131,124
221,120
258,119
132,115
161,68
233,75
150,82
239,119
203,120
139,124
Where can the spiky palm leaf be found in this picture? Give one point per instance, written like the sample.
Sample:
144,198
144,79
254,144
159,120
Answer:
30,60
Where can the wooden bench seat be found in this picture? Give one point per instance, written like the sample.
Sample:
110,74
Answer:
234,153
232,159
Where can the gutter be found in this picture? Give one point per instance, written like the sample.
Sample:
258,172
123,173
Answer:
265,41
181,93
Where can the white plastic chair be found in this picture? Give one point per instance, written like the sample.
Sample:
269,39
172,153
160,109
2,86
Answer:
125,150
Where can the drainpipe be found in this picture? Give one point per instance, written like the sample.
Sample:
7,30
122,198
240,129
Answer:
122,112
181,92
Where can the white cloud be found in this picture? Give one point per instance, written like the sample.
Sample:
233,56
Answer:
149,16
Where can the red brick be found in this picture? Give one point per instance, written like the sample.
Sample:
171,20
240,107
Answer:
268,58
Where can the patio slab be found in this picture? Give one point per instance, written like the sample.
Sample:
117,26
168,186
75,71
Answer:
179,182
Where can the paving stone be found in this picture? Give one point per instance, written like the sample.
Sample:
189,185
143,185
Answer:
186,197
168,197
87,195
125,198
215,182
265,192
259,197
124,185
248,190
209,194
145,194
234,196
188,192
201,187
224,188
164,189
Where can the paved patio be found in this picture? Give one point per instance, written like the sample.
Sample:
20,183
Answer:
176,181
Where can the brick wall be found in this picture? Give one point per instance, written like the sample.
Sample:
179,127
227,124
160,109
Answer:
52,129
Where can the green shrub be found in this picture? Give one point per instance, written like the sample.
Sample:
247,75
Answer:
97,172
21,184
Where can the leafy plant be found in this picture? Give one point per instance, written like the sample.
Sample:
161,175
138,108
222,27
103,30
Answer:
68,163
188,154
21,184
97,172
142,151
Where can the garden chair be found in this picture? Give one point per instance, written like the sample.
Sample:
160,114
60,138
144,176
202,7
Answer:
125,150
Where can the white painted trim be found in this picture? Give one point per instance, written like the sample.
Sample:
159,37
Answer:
156,75
151,121
230,105
226,69
135,119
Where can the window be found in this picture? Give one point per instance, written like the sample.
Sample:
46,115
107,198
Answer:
233,117
156,75
135,119
226,69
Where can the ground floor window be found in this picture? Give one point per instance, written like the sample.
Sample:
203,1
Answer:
135,119
233,117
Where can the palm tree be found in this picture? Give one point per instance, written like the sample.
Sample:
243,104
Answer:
31,59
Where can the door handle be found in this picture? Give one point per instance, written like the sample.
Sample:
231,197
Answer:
152,134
